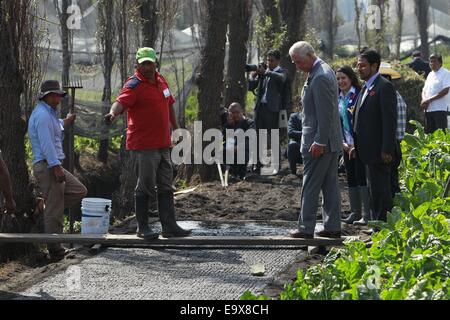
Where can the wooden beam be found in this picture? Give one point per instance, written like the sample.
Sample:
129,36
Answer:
111,240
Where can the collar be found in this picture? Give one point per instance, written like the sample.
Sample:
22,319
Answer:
370,82
144,79
47,107
439,71
317,62
349,94
277,69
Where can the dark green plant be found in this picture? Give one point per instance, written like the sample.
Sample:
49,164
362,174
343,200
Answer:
410,257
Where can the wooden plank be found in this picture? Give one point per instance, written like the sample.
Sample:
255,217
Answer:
111,240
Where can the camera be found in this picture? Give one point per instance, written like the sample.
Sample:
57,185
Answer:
254,68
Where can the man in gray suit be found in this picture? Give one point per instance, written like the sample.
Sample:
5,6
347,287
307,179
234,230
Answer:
321,144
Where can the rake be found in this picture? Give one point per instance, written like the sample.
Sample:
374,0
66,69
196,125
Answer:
72,85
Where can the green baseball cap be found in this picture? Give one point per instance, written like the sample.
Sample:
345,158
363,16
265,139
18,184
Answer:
146,54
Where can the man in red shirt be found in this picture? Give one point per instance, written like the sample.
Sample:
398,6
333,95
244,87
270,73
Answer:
147,99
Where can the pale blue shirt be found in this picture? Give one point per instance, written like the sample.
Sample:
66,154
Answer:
370,82
45,131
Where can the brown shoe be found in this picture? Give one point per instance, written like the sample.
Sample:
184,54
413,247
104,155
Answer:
300,235
329,234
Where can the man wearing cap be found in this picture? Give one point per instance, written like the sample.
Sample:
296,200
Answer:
418,65
60,188
147,99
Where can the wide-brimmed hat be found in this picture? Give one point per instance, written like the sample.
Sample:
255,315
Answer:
387,70
51,86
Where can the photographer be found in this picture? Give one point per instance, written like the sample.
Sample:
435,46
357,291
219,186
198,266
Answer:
271,83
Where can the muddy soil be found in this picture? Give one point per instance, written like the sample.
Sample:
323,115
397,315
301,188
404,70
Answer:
256,198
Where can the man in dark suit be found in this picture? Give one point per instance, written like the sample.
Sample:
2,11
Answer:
271,86
420,66
375,131
295,141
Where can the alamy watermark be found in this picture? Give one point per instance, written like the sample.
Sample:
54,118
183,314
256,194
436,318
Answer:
76,15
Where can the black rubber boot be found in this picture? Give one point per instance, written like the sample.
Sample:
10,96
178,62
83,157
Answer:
170,228
143,230
366,214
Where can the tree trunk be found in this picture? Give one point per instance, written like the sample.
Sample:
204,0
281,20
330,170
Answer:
422,13
67,60
399,9
123,204
293,13
122,31
380,41
149,19
272,10
106,38
13,127
358,23
210,79
236,88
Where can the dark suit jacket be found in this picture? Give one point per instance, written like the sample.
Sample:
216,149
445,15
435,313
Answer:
295,127
277,89
420,66
376,122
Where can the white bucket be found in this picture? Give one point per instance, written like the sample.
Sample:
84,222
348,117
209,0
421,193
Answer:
95,216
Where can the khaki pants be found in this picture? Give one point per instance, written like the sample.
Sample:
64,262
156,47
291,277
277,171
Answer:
57,196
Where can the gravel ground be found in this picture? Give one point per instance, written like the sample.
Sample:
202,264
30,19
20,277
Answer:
124,274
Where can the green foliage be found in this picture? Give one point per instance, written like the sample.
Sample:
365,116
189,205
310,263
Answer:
410,257
192,108
267,38
86,145
76,226
90,146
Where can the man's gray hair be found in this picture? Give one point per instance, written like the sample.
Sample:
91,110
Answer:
302,48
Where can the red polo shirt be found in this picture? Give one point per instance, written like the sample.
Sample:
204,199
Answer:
148,110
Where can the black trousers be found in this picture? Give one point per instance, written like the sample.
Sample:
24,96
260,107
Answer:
435,121
266,120
379,179
395,184
356,172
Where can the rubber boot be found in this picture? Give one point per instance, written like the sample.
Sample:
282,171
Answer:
366,215
143,230
170,228
355,206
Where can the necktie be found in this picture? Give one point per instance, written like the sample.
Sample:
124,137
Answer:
358,106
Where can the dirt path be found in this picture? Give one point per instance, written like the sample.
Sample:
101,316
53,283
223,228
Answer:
257,198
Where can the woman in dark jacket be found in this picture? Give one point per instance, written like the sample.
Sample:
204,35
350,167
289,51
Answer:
349,89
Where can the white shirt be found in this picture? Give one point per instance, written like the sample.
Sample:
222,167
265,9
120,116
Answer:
436,82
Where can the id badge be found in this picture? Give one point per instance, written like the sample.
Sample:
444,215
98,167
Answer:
167,93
